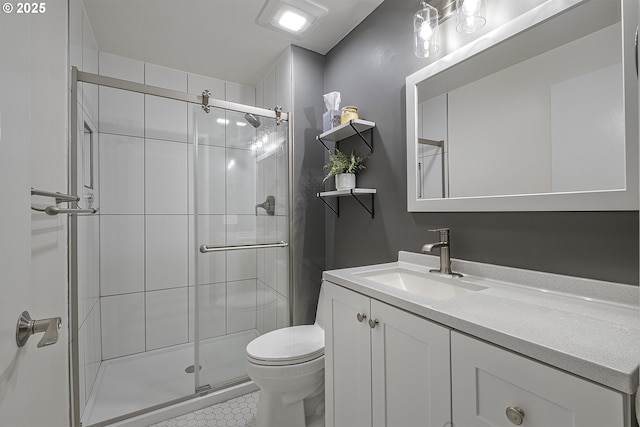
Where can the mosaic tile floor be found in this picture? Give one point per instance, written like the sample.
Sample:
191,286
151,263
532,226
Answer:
240,411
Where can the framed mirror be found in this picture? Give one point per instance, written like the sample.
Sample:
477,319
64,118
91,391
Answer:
539,114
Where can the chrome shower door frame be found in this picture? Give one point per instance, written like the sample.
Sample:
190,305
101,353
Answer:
206,103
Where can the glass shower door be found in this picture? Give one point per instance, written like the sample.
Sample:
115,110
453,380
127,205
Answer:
240,214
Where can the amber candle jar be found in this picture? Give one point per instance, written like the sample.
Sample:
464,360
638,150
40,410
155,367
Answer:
349,113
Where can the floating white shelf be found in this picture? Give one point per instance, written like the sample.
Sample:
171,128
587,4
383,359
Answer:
345,130
340,193
353,193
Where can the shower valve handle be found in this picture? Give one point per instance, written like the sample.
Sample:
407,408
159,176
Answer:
268,205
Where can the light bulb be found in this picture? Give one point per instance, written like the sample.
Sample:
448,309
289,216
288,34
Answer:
425,31
471,7
470,15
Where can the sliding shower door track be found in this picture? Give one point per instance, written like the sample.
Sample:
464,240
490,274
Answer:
111,82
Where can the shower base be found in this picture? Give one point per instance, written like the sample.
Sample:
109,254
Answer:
133,383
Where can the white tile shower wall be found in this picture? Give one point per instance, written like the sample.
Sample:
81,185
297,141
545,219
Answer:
166,318
83,54
120,67
238,131
121,112
241,94
213,309
241,305
211,169
165,177
123,329
168,78
272,179
90,60
165,119
88,265
196,84
166,252
122,265
148,253
212,268
121,174
91,348
240,182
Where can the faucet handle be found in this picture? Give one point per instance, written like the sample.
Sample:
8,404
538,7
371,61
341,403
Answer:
444,234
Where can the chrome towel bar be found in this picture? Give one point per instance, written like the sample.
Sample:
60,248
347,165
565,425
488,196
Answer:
60,198
54,210
205,249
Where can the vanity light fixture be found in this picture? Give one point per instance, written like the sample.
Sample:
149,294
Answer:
291,17
471,15
425,31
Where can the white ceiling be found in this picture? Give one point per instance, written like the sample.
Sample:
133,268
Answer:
217,38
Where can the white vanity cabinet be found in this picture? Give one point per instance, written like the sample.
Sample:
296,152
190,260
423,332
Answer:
488,383
383,366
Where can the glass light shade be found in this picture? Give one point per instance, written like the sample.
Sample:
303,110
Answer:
471,15
425,31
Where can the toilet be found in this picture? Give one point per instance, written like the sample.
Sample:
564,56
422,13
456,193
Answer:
288,366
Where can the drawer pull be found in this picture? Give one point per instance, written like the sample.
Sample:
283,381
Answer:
361,317
373,323
515,415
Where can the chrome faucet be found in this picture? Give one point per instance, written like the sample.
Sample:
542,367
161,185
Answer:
445,260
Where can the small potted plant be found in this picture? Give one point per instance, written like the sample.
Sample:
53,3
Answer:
344,168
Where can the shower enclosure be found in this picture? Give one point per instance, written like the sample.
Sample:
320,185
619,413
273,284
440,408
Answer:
188,257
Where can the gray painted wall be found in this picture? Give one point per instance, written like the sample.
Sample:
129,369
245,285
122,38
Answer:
308,158
368,68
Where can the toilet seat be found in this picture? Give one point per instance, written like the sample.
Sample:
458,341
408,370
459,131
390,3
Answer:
287,346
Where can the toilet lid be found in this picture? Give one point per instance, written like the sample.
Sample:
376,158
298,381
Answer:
287,346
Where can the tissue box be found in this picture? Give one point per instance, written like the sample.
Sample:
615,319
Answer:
330,119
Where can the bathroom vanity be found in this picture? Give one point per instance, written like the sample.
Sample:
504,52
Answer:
499,346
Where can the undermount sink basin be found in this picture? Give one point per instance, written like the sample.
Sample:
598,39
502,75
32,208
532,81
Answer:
428,285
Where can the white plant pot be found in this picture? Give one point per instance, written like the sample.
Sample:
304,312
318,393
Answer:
345,181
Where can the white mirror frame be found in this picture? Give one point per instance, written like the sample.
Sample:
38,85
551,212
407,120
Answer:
616,200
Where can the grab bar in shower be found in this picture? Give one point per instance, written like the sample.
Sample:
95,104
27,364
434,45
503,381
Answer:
205,248
60,198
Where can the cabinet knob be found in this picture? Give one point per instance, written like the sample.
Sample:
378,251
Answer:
515,415
361,317
373,323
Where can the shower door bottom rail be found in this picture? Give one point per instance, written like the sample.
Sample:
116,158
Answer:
206,248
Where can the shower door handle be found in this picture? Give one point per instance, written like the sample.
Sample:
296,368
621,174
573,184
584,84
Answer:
206,248
27,327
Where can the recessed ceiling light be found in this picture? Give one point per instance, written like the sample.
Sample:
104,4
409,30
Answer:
292,17
292,21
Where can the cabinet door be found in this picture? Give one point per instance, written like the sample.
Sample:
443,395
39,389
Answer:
486,380
410,369
347,358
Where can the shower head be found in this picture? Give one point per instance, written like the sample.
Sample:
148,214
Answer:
253,120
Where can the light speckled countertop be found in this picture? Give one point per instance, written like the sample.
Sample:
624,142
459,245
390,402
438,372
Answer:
586,327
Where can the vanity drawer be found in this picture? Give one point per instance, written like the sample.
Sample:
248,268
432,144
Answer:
487,380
